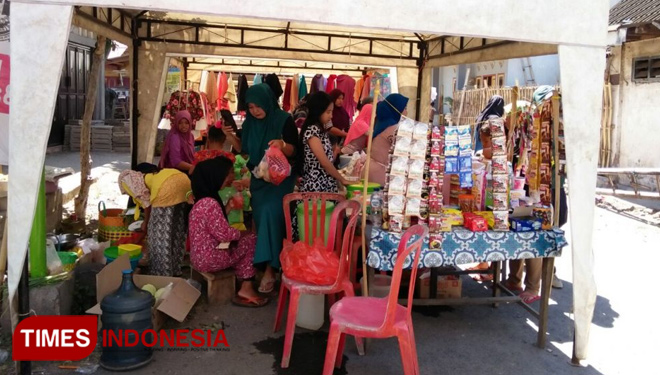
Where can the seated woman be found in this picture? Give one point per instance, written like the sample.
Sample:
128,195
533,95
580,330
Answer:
208,229
179,147
356,140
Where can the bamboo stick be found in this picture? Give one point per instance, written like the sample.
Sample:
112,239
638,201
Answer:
3,254
460,110
514,123
370,133
555,144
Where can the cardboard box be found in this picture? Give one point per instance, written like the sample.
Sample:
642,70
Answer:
447,287
176,305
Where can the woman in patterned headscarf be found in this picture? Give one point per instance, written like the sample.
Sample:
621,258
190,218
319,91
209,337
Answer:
163,195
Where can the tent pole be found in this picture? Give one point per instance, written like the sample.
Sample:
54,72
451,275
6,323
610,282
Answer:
370,133
24,367
134,95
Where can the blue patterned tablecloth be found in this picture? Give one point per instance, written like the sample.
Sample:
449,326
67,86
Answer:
462,246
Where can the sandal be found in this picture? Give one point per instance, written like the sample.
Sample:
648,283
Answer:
251,302
483,277
267,286
529,297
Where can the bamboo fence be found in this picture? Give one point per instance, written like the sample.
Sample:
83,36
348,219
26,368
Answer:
475,100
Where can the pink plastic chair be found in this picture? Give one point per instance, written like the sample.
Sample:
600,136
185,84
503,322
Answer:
379,317
338,242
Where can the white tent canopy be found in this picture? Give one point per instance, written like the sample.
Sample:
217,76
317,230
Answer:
39,31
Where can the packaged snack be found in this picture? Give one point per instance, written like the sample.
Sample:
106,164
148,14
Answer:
465,163
544,172
407,222
477,224
499,164
424,209
545,215
396,204
545,131
464,149
500,183
399,166
445,224
436,147
402,146
451,148
414,189
434,223
463,131
416,169
451,134
451,165
466,179
421,131
435,164
496,127
435,241
501,221
546,194
499,146
406,127
500,202
526,224
453,215
418,149
488,216
396,223
517,193
466,202
545,152
436,133
442,164
397,185
435,204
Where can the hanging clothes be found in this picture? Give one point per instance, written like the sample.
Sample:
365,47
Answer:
302,88
222,90
318,84
347,85
273,81
208,110
230,95
294,91
330,85
385,85
366,89
286,100
242,89
258,78
188,100
210,88
359,85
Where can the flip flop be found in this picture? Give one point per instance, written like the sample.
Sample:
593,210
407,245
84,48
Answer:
251,302
512,287
529,297
267,286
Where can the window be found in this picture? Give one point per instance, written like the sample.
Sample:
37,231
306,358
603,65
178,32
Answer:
646,69
479,83
500,80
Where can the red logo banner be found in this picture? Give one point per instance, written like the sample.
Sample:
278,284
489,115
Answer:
54,338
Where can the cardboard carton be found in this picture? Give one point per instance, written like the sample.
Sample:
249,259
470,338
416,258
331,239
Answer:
177,304
447,287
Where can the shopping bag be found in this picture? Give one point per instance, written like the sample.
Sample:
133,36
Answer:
273,167
309,264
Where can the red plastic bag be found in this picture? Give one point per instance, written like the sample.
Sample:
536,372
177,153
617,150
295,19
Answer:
274,166
309,264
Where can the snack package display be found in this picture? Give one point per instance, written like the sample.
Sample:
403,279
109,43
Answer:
546,194
414,189
436,133
421,131
465,164
454,216
396,204
496,127
416,169
500,202
464,149
437,148
501,221
402,146
545,214
499,164
406,127
463,131
477,224
397,185
526,224
435,164
399,166
466,203
488,216
451,134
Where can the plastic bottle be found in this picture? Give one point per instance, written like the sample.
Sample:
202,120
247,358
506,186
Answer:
377,207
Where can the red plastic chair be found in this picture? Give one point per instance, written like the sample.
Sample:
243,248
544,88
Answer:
338,242
379,317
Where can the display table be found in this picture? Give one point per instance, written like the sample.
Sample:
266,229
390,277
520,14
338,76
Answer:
462,246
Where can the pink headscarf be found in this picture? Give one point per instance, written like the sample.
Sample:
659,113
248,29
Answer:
360,125
178,146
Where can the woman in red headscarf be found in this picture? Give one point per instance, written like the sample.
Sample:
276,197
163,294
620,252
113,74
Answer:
179,147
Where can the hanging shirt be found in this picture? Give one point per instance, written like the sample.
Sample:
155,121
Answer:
302,88
295,81
318,84
286,100
330,85
347,85
188,100
230,96
242,90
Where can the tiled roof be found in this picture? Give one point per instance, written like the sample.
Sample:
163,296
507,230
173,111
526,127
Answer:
635,12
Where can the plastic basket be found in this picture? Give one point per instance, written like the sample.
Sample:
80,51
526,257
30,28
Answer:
112,226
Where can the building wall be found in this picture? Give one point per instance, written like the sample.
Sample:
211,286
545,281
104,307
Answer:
637,110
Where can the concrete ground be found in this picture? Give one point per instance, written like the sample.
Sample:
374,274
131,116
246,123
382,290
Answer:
460,340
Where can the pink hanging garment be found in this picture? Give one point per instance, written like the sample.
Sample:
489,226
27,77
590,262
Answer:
286,99
347,85
222,90
331,83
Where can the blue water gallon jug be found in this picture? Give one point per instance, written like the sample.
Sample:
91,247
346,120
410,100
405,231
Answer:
125,318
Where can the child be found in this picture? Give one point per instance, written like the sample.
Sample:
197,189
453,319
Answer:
230,196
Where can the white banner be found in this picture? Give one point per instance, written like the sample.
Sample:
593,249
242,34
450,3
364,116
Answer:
4,82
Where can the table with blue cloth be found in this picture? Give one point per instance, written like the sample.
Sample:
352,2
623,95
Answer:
462,246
